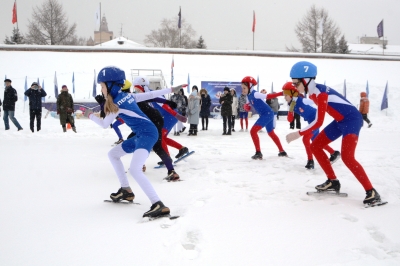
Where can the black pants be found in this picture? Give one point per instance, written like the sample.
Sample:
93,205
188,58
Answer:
35,113
204,118
365,118
297,120
233,121
229,119
193,129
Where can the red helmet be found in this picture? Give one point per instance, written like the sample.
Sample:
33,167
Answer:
289,89
249,80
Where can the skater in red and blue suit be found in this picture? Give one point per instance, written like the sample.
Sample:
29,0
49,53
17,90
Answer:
306,109
347,123
266,119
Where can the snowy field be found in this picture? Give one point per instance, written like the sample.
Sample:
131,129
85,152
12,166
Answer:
234,211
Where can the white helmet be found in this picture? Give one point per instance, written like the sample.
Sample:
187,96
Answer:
142,82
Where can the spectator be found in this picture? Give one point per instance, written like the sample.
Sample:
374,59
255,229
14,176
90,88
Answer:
243,113
180,108
65,108
226,110
234,108
205,108
35,94
296,120
9,100
184,110
193,111
274,104
364,108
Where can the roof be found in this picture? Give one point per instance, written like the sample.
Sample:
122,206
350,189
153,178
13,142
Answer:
373,49
121,42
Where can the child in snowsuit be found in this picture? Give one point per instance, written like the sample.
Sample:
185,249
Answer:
266,119
347,123
307,109
364,107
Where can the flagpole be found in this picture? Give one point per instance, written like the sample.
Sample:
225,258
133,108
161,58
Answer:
383,31
100,23
16,12
180,28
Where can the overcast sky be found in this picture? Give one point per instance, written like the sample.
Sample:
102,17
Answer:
224,24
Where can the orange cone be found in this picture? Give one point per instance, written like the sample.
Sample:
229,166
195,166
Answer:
68,126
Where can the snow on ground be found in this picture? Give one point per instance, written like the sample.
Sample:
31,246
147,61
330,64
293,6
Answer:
234,210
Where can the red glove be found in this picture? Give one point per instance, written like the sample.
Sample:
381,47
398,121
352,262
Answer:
290,117
181,118
247,107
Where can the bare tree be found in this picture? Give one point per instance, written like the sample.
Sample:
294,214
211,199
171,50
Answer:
315,30
49,25
15,38
168,35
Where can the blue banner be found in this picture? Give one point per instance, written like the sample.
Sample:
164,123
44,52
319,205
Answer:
385,103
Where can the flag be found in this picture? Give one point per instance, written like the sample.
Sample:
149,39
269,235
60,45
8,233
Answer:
43,98
55,85
94,85
253,29
258,84
38,81
188,86
73,82
272,87
97,17
14,14
380,29
367,89
385,103
344,89
26,88
179,21
5,77
172,71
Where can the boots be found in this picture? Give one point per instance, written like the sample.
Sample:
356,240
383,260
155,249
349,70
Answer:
310,164
122,194
158,209
329,185
64,129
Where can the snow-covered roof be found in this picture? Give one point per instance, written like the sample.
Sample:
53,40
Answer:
120,42
373,49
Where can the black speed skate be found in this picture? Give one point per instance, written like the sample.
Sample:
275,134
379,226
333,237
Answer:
329,185
182,152
310,164
257,156
282,154
172,176
334,157
122,194
157,210
372,197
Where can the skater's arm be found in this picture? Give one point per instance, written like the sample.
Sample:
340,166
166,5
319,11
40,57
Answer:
274,95
104,123
322,103
140,97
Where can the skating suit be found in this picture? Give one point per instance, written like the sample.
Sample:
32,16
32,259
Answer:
306,109
266,119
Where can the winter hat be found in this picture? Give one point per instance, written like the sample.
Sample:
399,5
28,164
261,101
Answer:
363,94
64,87
195,88
34,83
7,80
226,89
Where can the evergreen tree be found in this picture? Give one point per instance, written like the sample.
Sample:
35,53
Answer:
16,38
201,44
331,46
343,48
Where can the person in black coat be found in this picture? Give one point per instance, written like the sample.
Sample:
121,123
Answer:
10,97
35,94
226,110
205,108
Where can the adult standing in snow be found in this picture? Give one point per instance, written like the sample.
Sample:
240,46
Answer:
266,119
234,108
226,111
364,107
65,108
35,94
205,108
347,123
308,110
9,100
125,105
194,111
181,108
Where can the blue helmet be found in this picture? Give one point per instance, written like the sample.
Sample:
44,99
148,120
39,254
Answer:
303,69
111,74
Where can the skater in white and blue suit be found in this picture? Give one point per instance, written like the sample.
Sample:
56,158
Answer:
125,106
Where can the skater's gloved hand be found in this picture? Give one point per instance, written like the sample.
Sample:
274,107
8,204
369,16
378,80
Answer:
100,99
178,88
290,117
171,104
88,112
247,107
292,136
181,118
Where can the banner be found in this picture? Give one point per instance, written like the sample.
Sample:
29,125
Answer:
380,29
215,89
94,85
14,14
73,83
253,29
55,85
367,89
179,21
385,103
344,89
26,88
172,71
188,86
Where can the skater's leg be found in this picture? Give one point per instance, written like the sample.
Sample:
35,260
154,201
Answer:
114,155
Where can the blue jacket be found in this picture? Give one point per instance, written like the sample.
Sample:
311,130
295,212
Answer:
35,98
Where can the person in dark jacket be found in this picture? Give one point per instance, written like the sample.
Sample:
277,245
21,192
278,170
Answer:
65,108
205,108
10,97
35,94
226,110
